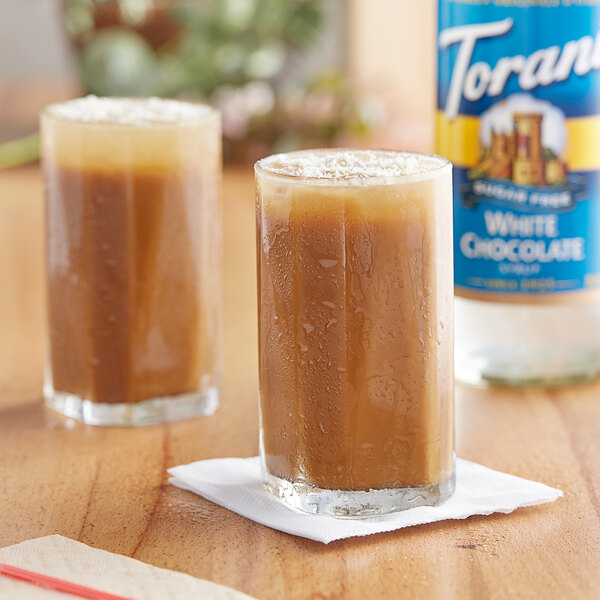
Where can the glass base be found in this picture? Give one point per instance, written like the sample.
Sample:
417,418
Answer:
500,343
539,369
148,412
344,504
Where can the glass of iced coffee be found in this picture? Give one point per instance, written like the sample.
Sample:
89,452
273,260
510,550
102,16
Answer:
355,289
133,230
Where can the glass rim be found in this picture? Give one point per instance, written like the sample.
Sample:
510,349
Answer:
210,114
261,168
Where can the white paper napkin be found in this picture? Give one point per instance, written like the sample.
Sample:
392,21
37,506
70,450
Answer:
236,484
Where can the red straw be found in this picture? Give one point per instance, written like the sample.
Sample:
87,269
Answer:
60,585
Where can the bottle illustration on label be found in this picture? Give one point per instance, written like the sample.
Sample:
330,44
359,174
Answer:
519,116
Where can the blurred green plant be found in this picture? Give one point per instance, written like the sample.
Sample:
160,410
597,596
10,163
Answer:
21,151
235,54
208,43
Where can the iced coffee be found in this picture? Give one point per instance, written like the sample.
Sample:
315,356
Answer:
133,236
355,287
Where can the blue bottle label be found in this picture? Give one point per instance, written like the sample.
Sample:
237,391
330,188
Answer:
519,116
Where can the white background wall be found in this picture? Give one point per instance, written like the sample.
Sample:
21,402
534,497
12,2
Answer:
33,43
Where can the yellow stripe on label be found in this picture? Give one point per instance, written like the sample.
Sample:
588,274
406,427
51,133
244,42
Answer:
458,141
583,144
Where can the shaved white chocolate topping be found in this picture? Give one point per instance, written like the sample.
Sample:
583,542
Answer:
352,166
137,112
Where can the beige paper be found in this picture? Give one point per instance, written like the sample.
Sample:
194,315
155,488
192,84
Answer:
72,561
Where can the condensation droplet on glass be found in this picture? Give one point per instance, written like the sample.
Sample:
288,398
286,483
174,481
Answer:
327,263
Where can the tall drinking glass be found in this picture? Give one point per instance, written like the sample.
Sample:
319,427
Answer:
133,231
355,290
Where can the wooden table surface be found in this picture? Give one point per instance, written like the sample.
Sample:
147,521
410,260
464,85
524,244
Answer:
108,487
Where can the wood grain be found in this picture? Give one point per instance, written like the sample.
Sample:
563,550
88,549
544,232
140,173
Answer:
108,487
